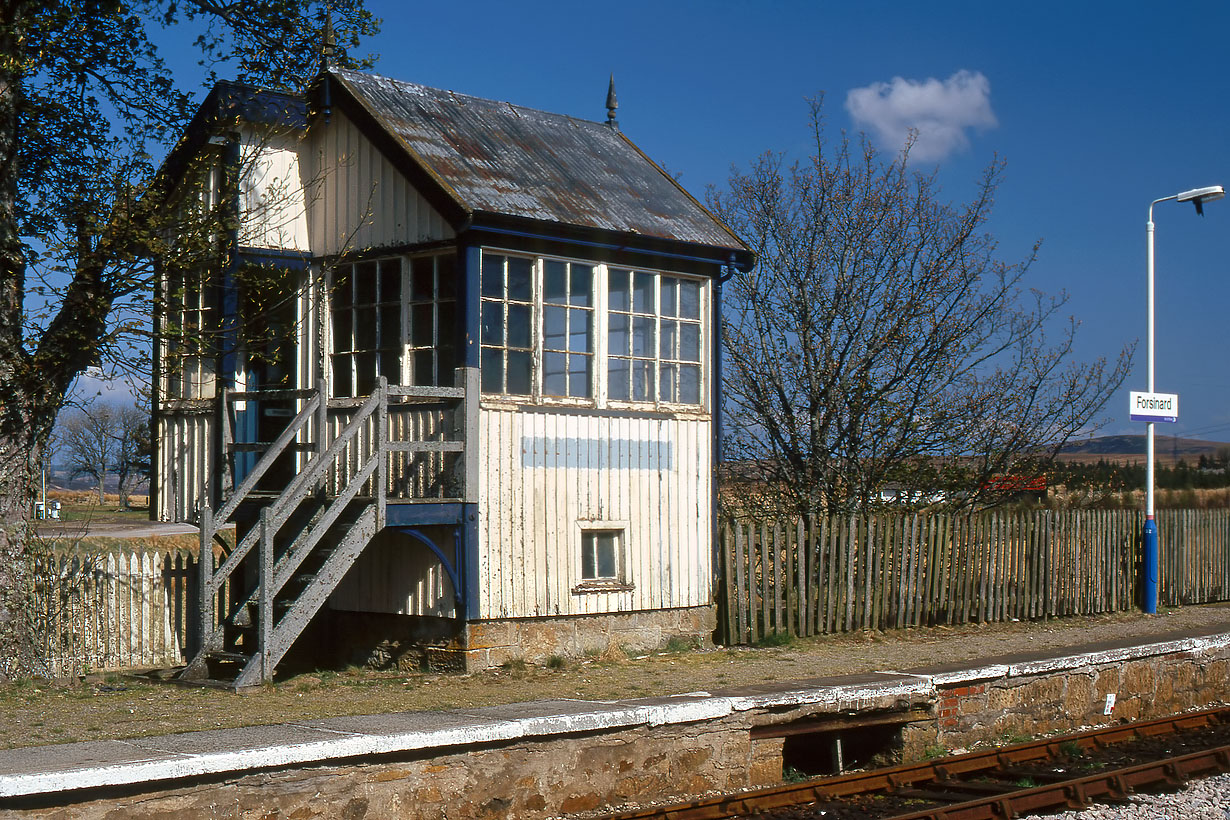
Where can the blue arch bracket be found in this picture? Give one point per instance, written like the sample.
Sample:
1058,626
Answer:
454,566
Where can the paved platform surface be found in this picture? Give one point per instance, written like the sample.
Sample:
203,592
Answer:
28,772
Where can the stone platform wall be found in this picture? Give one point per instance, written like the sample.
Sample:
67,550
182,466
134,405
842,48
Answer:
1006,704
536,763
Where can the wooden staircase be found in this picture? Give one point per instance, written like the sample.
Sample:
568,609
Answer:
263,594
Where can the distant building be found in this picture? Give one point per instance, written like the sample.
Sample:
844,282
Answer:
481,413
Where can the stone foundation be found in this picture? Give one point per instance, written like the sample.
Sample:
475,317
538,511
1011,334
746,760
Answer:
487,644
998,705
550,759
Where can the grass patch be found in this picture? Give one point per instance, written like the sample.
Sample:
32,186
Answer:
776,640
556,663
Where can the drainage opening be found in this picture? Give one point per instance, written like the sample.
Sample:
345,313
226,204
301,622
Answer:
815,754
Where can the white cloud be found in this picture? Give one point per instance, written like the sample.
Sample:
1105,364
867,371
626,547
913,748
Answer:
940,112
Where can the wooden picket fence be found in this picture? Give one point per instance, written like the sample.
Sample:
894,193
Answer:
842,574
104,609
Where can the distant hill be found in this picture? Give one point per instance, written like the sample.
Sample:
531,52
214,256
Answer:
1168,449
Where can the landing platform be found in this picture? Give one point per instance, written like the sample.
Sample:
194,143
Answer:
979,692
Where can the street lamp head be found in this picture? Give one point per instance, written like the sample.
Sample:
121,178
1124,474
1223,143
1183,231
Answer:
1199,196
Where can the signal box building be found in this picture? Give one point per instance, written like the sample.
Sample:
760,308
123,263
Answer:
453,379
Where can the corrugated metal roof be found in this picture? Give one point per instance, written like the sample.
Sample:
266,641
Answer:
506,159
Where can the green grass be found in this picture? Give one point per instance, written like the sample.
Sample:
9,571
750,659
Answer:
776,639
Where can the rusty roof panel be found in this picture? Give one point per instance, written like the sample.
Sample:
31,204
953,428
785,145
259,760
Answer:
505,159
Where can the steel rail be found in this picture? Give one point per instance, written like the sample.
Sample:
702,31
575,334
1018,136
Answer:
909,779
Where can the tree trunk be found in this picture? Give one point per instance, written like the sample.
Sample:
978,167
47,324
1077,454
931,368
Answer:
18,476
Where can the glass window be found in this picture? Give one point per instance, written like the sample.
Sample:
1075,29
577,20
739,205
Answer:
601,555
189,335
367,325
568,321
507,317
653,337
431,314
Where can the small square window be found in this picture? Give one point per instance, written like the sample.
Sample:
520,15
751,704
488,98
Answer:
600,555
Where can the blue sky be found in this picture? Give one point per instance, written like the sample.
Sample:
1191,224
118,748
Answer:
1098,108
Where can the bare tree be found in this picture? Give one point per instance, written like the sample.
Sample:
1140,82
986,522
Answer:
132,449
89,442
880,342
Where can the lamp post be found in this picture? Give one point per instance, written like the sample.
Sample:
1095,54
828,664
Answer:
1196,196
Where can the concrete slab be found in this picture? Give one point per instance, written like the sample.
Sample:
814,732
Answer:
406,731
563,716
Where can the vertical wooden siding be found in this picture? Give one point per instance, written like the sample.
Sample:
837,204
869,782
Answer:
544,475
185,456
840,574
357,200
271,194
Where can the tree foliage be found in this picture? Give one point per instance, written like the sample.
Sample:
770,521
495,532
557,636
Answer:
880,341
88,106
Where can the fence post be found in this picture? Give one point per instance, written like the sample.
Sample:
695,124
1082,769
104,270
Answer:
205,574
265,619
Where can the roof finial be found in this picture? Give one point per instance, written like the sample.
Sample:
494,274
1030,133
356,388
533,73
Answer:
611,104
328,43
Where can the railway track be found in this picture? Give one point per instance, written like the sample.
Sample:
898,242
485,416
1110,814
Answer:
1055,774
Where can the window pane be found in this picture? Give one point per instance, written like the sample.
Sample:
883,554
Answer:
341,376
520,372
492,369
555,374
555,329
390,366
617,375
422,279
666,383
578,333
493,323
556,276
642,380
580,384
422,364
670,333
446,319
421,324
689,342
689,384
341,331
642,336
446,272
581,285
670,288
493,276
341,288
617,337
365,330
446,362
589,560
605,550
617,289
390,280
642,292
519,325
365,373
390,325
689,299
519,279
365,283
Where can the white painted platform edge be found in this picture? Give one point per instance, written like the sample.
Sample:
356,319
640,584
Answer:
177,765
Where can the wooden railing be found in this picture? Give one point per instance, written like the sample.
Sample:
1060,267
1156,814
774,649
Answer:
842,574
400,443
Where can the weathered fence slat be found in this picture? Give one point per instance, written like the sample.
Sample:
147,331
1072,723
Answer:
807,576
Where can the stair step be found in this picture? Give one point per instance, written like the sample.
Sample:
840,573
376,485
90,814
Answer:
223,655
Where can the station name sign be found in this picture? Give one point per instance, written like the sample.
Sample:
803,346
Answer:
1154,406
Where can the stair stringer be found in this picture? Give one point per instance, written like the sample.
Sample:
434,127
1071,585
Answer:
260,666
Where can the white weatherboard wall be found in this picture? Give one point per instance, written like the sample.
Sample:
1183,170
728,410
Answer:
544,473
271,194
356,199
